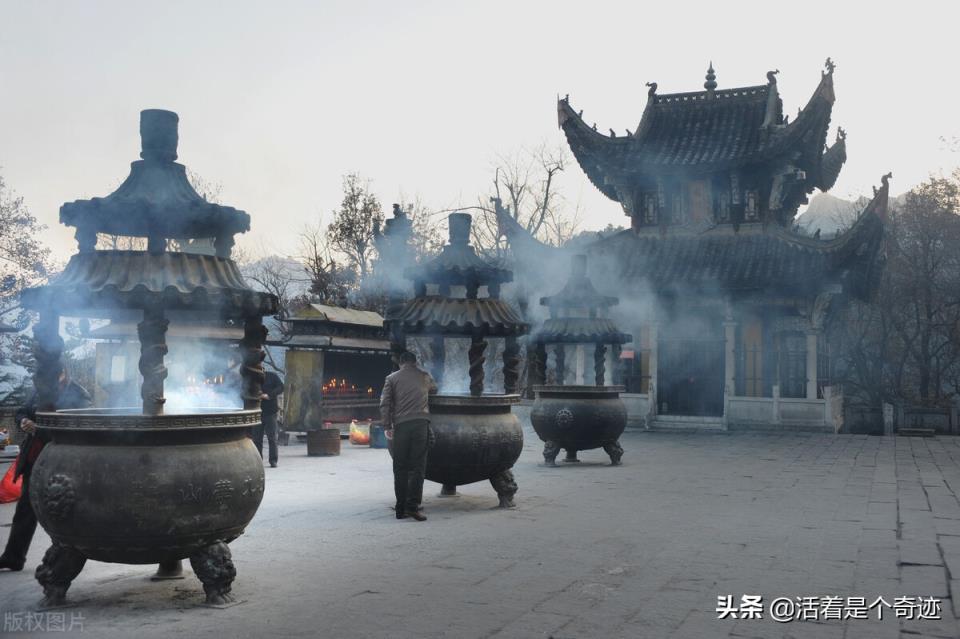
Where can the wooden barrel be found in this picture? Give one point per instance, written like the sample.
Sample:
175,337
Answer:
324,442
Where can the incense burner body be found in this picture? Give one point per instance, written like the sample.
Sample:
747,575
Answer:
130,488
472,438
576,418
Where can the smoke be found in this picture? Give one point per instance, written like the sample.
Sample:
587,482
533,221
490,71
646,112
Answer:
202,374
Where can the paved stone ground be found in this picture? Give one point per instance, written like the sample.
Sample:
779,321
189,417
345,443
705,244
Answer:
643,550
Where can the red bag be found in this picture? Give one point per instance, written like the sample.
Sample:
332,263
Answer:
10,487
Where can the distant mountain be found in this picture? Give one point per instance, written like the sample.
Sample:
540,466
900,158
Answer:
830,214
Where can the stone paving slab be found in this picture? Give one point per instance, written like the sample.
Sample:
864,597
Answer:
642,550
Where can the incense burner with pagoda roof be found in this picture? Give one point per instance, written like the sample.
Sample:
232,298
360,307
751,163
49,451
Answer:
577,417
473,437
143,485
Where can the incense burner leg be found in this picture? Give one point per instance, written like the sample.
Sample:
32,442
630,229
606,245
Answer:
60,566
615,450
550,451
216,571
506,487
448,490
571,457
169,570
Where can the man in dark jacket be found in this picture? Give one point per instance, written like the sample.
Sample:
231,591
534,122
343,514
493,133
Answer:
269,407
71,395
405,411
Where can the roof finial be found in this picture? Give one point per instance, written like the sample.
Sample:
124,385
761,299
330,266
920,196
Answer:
653,89
711,82
830,66
772,76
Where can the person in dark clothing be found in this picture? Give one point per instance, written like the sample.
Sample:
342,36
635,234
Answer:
405,412
269,407
71,395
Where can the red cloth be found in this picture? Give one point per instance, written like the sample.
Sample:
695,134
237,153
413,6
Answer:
10,487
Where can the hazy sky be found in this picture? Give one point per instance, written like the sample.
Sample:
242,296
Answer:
277,100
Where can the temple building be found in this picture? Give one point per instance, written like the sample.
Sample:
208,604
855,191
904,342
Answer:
734,312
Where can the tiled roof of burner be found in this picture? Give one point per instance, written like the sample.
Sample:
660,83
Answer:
458,263
156,198
578,292
133,279
457,316
577,330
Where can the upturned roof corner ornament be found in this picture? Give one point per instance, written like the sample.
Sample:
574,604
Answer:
772,76
653,89
829,66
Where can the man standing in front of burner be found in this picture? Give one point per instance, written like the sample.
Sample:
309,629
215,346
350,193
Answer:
269,407
405,411
70,395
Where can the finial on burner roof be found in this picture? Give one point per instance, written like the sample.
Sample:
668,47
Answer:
158,135
653,89
711,84
458,228
772,76
830,66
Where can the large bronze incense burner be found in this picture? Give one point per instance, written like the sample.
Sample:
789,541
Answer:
142,486
577,417
475,436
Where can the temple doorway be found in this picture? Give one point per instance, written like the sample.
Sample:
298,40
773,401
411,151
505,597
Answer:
690,377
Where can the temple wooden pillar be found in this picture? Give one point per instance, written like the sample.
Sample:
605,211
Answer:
812,364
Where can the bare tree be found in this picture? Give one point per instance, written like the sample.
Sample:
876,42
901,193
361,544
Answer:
906,345
526,183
